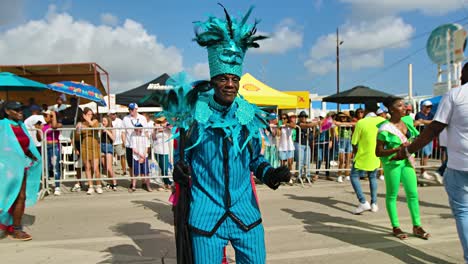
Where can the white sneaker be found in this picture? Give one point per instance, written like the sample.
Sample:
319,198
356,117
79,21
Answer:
339,179
438,178
76,188
99,189
347,178
426,176
57,191
333,163
382,178
90,190
374,208
362,207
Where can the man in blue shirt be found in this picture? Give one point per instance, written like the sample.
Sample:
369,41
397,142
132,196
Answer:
424,118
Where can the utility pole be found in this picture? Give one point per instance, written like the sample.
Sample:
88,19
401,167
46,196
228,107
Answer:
338,43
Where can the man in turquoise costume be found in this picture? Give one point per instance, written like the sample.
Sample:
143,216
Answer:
223,148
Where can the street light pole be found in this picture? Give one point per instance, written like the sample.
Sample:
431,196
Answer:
338,43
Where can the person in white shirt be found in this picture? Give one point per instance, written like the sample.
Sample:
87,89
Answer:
33,123
139,143
163,148
286,144
119,149
452,116
129,123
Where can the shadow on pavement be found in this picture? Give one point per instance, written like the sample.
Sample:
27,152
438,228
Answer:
362,235
327,201
151,245
402,199
163,210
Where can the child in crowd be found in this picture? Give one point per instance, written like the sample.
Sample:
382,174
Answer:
140,144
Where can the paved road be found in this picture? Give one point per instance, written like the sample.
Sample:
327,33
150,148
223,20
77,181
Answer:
303,225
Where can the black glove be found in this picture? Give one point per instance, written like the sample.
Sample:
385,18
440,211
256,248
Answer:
181,173
274,177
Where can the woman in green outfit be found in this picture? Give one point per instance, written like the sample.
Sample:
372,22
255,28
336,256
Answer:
392,135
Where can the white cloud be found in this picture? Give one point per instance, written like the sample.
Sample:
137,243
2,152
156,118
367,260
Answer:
200,71
363,45
128,52
10,11
109,19
377,8
285,37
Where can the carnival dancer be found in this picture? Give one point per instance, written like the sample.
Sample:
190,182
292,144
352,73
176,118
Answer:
20,175
392,135
224,144
451,115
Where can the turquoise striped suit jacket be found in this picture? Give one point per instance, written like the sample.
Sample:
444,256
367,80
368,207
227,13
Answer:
221,181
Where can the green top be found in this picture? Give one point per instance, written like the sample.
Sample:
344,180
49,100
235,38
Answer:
393,141
365,134
345,132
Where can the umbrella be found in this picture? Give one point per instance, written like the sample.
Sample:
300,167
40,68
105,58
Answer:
358,94
79,89
12,82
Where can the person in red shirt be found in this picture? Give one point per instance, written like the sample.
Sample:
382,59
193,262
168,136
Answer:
21,171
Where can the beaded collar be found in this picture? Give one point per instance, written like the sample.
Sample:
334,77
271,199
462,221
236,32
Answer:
239,117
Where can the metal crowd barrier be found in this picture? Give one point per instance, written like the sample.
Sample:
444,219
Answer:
323,148
62,155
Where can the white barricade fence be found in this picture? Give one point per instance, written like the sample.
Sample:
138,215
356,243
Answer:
81,155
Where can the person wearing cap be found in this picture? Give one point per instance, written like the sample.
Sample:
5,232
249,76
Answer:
52,135
301,144
422,119
119,147
225,145
34,123
20,175
140,144
451,115
345,149
382,112
129,122
364,140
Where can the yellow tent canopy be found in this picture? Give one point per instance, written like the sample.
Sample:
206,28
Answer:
302,98
261,94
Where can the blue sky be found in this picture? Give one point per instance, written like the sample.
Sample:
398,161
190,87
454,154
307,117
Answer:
136,41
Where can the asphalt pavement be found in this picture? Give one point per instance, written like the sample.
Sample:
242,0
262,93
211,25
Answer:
303,225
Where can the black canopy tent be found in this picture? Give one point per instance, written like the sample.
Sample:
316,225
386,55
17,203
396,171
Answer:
358,94
136,94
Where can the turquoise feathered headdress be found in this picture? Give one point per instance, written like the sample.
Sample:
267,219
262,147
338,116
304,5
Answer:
227,41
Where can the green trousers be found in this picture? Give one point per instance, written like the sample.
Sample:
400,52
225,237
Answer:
404,173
